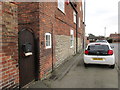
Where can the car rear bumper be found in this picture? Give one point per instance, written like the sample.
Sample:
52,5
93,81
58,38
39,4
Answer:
108,60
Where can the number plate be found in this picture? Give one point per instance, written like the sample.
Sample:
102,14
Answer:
97,59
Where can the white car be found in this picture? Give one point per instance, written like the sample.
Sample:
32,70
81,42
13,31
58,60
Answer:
104,41
99,53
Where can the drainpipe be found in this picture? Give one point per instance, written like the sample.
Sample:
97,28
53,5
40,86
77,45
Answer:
52,49
77,33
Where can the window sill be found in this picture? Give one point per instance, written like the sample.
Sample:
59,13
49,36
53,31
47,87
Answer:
49,47
71,46
62,11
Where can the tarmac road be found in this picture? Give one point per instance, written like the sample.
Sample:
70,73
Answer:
94,76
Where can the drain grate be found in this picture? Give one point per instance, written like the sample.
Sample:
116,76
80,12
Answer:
53,77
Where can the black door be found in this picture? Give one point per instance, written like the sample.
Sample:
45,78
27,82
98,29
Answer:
26,57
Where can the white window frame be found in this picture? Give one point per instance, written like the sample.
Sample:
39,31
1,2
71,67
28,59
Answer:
79,22
71,39
49,34
61,5
80,8
74,16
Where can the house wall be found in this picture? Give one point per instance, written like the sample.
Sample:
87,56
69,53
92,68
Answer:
46,22
9,72
59,24
28,16
80,29
62,49
41,18
63,24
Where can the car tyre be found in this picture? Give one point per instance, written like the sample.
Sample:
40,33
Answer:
86,65
112,66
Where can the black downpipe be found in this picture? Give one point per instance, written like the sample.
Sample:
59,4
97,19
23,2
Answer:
76,32
37,59
52,48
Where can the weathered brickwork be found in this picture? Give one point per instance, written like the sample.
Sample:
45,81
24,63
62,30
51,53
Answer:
63,24
47,56
9,54
28,16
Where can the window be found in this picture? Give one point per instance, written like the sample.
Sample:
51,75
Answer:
74,16
80,8
79,21
98,49
61,5
47,40
71,38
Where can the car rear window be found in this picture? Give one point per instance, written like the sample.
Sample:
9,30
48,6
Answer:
98,49
101,41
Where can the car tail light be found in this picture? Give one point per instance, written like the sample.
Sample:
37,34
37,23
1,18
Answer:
97,44
110,52
86,51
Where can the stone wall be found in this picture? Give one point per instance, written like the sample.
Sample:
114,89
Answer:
62,48
79,45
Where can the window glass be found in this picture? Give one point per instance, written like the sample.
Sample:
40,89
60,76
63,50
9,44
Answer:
79,21
98,47
71,38
74,16
48,40
61,5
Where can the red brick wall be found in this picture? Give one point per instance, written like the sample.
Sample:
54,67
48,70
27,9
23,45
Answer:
28,14
52,20
47,11
41,18
80,14
64,21
9,52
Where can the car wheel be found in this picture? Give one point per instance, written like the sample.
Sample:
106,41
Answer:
85,64
112,66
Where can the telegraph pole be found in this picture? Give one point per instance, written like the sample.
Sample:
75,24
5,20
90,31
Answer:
104,31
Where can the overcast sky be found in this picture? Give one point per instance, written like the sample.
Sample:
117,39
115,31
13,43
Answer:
101,14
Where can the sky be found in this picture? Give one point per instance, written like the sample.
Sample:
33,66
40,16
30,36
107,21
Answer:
101,14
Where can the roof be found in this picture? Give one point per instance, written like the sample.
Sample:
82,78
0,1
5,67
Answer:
102,43
114,35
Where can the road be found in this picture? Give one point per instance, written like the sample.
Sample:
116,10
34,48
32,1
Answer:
94,76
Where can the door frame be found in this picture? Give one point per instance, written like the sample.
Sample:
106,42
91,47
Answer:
37,53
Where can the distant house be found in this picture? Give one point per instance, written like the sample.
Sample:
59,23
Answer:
92,38
115,37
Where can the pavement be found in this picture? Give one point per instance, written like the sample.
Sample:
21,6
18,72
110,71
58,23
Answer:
58,73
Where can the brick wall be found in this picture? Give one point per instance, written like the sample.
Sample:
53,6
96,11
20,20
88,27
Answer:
59,24
47,21
1,66
28,16
9,53
41,18
63,24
